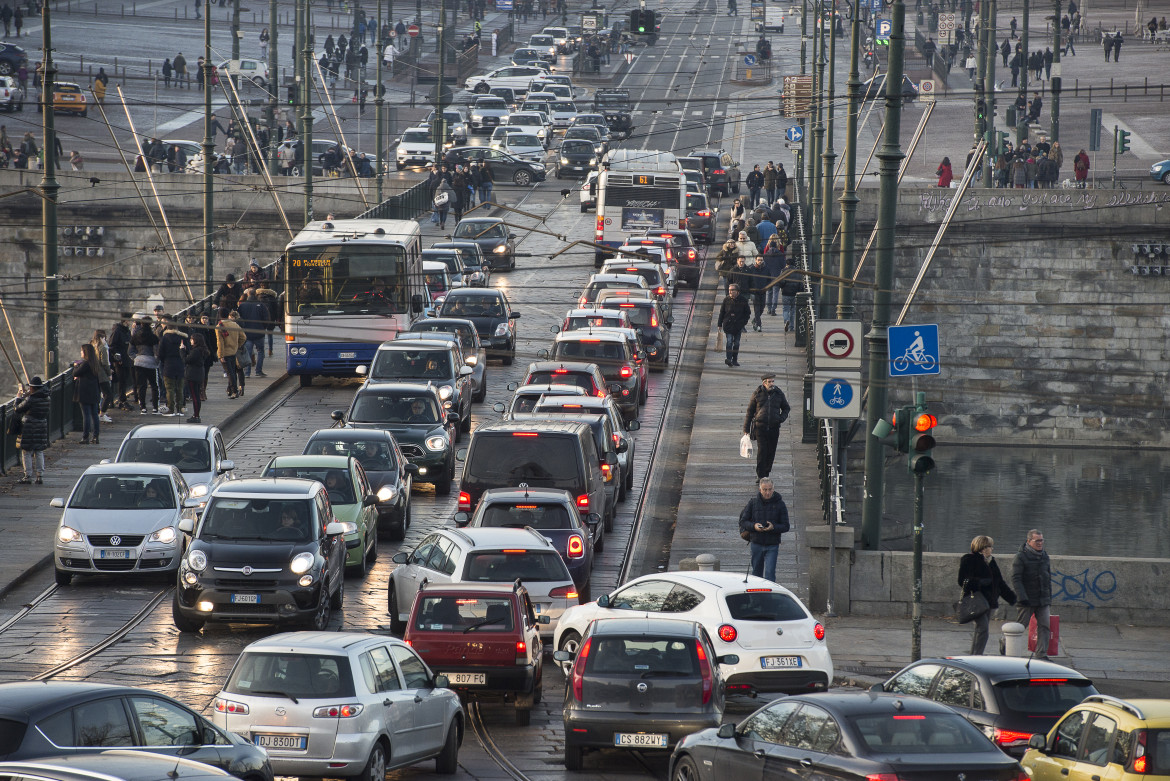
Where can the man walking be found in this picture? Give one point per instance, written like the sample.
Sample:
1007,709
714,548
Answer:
754,181
764,518
734,315
766,411
1032,581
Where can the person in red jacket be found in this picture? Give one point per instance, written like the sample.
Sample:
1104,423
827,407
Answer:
944,173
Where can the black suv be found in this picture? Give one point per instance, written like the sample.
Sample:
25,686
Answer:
721,170
11,58
651,323
685,254
437,362
615,104
265,551
493,317
493,237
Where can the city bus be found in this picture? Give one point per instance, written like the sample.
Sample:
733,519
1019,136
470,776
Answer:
349,286
637,190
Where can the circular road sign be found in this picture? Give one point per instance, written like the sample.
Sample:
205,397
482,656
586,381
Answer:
838,343
837,393
749,59
412,31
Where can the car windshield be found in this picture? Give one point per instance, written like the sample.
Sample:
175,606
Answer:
492,104
479,230
1040,697
585,132
394,408
577,146
189,455
289,675
336,481
642,657
510,566
464,614
920,733
611,101
417,137
412,365
123,492
764,606
472,306
465,334
373,455
258,520
538,516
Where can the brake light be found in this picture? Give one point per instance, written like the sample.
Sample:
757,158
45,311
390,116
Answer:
653,320
513,550
882,777
578,676
718,171
525,506
691,254
626,306
576,546
1006,736
560,371
227,706
705,671
703,214
627,372
727,633
347,711
757,590
565,592
819,631
1141,762
910,717
583,502
464,501
660,290
1046,681
525,434
607,470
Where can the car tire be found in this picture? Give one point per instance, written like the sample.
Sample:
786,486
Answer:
685,770
62,578
361,569
465,423
182,623
375,769
609,521
522,178
306,380
481,89
584,209
621,495
398,166
572,757
1166,178
523,717
397,625
372,556
443,484
447,762
481,397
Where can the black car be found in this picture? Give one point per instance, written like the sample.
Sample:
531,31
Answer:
700,222
414,414
390,474
685,254
111,765
280,529
576,157
477,270
473,353
651,323
495,241
875,88
843,735
720,169
72,718
1007,697
11,58
437,362
495,322
505,167
615,104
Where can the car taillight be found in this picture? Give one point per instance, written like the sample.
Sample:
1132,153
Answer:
1140,762
607,470
627,372
583,502
718,171
703,214
565,592
653,320
660,290
819,631
576,546
521,652
882,777
347,711
233,708
464,501
600,226
691,254
705,671
1006,736
727,633
578,675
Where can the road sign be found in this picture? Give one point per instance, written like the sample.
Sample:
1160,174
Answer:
837,344
794,134
798,95
876,6
392,33
947,22
883,30
412,31
837,395
926,90
589,23
749,59
913,350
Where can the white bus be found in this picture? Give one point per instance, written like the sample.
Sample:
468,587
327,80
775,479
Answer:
638,190
349,286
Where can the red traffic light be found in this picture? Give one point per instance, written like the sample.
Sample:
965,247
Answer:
924,422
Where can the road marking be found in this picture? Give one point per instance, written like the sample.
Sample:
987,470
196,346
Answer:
676,113
697,113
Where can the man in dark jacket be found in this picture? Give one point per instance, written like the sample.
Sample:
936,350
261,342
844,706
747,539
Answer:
1032,581
754,182
172,366
254,318
734,315
229,293
766,411
123,379
764,518
34,407
757,273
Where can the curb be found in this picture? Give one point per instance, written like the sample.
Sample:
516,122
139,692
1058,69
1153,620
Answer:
11,585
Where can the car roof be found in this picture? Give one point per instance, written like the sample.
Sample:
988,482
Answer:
999,669
415,343
112,765
463,292
413,388
870,702
584,367
294,487
128,467
496,537
27,697
334,462
730,581
668,627
618,278
351,434
647,265
1147,708
459,321
535,494
559,389
477,220
176,430
427,338
583,336
533,425
464,587
317,642
594,313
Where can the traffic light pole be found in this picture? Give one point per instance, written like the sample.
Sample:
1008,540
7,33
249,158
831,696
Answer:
49,191
1021,125
916,614
273,88
1055,127
208,161
306,107
989,94
1113,183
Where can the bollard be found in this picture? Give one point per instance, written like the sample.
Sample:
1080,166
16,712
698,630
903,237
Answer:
1015,641
707,562
687,565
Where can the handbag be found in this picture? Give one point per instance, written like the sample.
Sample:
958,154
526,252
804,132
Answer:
971,606
441,200
15,425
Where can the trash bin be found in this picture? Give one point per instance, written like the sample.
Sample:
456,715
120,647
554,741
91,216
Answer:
1053,641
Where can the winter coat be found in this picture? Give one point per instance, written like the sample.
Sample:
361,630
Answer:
194,361
228,295
254,316
1032,577
255,278
769,177
170,352
746,249
978,574
767,409
103,356
145,345
757,276
1081,167
774,261
760,510
754,180
86,388
742,276
781,181
34,425
734,314
1019,173
120,346
229,338
944,175
725,260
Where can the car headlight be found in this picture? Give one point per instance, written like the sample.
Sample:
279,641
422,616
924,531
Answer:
502,329
199,489
436,443
348,527
445,392
386,493
301,563
197,560
164,535
502,248
472,360
593,161
68,534
536,167
564,161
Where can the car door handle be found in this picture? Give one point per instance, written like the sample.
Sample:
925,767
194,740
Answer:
387,702
1095,778
758,753
806,763
417,699
1064,771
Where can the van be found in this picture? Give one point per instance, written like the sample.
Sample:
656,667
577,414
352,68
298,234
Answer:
539,453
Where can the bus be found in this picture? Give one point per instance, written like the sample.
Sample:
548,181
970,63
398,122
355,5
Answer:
349,286
638,190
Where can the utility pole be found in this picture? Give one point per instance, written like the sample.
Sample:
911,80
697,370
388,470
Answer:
235,29
379,101
824,305
981,74
439,125
208,160
1021,124
1056,71
49,190
273,88
818,135
849,197
889,160
306,106
989,92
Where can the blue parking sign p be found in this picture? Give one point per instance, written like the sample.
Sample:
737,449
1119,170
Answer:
883,29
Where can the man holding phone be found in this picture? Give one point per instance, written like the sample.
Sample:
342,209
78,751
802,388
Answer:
764,519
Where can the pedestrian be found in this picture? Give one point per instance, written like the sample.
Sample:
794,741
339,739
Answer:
1035,107
167,71
194,359
1006,51
979,574
207,327
6,19
285,155
757,276
180,66
442,201
788,290
770,177
173,366
1117,41
229,293
264,38
725,262
1014,25
144,346
762,522
928,51
1032,581
746,248
121,367
33,407
754,182
734,314
459,192
1081,168
87,392
18,20
76,162
486,180
229,339
767,410
1152,26
970,66
105,374
1048,63
781,182
774,265
254,316
737,212
944,173
1107,45
1068,45
732,8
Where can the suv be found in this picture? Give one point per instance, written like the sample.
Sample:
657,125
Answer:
611,353
609,281
280,530
437,362
659,277
195,450
456,131
485,637
615,104
721,170
1104,737
493,237
473,353
487,111
605,437
622,431
11,58
701,224
492,315
532,122
584,375
526,397
684,253
518,77
477,272
415,147
475,556
11,95
651,323
577,319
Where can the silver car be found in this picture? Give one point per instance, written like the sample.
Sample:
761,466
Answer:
341,704
122,518
198,451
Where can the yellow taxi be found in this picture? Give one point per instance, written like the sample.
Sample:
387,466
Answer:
68,98
1106,739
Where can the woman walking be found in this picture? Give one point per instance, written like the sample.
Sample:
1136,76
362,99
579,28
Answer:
144,343
979,574
944,173
87,391
33,439
194,360
105,374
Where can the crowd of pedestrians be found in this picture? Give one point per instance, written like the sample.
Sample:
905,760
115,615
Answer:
1026,167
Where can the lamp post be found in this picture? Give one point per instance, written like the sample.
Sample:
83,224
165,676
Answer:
306,108
828,158
379,101
849,197
49,190
1056,86
208,160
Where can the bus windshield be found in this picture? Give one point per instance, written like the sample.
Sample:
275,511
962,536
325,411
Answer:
347,279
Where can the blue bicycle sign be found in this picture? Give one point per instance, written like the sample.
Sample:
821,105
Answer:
913,350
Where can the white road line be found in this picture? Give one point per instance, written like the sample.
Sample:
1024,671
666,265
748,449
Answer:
1137,144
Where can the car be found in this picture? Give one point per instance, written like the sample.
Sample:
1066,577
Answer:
611,445
388,472
350,497
616,106
414,414
123,519
720,169
578,319
197,451
649,319
474,355
11,95
525,55
475,556
563,113
456,125
1160,172
1104,737
576,157
1007,697
695,181
494,319
856,735
533,122
500,132
477,271
254,71
416,146
743,614
526,397
281,529
561,92
611,353
517,77
875,88
341,704
684,252
436,362
588,192
505,167
587,133
507,94
594,120
540,106
68,98
640,684
655,248
534,61
660,278
584,375
82,719
488,111
560,38
525,146
637,349
494,238
601,281
457,272
553,513
623,431
110,765
545,44
701,224
437,279
485,638
11,58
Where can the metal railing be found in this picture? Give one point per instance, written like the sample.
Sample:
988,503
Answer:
405,205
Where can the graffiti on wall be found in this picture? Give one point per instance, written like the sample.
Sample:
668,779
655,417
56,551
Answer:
1011,200
1083,588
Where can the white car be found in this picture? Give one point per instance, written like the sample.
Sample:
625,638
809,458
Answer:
415,147
526,397
563,113
196,450
532,122
488,112
255,71
560,37
525,146
340,704
545,44
562,91
516,77
496,140
781,647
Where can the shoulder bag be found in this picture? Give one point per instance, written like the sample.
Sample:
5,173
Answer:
971,606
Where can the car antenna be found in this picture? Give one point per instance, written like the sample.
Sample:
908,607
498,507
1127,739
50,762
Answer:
746,573
525,487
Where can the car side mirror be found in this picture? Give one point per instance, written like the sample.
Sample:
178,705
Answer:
562,656
499,407
726,731
401,557
544,355
513,315
462,519
338,415
361,370
512,386
603,600
416,303
466,371
461,454
105,461
452,418
1038,741
633,425
226,465
411,469
593,519
334,529
728,659
441,681
556,329
193,502
57,502
186,525
369,501
622,446
615,387
543,619
878,687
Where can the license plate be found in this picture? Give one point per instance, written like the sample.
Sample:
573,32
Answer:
245,599
467,679
641,739
295,742
772,662
347,355
113,554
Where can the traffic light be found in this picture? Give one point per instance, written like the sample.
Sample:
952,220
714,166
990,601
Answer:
921,441
1001,142
641,21
895,433
1122,141
292,94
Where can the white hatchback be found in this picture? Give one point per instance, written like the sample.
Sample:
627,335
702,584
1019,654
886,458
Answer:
526,146
780,645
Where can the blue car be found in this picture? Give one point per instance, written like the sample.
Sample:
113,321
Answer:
1160,172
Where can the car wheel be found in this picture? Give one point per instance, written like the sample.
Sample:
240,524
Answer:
480,397
571,642
481,88
1166,178
523,717
62,578
447,763
599,544
320,618
397,625
522,178
5,69
361,569
465,423
337,601
685,770
584,208
622,490
572,756
372,556
306,380
375,769
182,623
398,166
406,516
609,521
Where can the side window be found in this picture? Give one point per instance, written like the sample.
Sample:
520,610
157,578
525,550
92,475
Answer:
164,723
220,450
954,687
648,595
681,599
1121,748
829,736
766,724
414,671
803,729
438,560
384,672
1068,736
529,613
424,550
368,675
102,724
977,701
915,681
363,483
1099,740
58,728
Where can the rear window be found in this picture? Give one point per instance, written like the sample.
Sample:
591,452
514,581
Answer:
527,566
639,656
189,455
303,676
764,606
590,351
450,613
1159,739
465,334
11,735
1042,697
538,516
506,460
579,379
639,315
579,322
920,733
696,202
